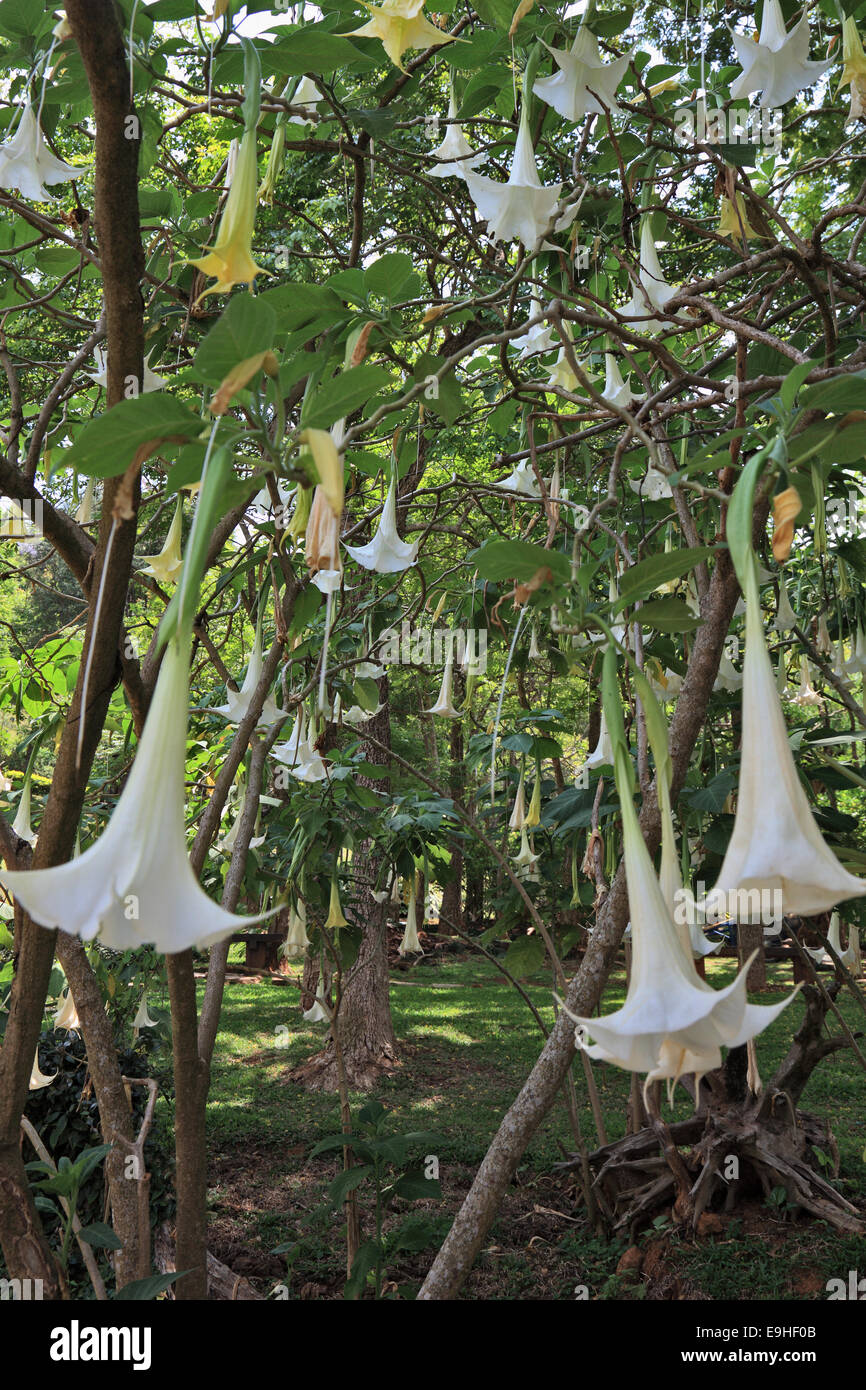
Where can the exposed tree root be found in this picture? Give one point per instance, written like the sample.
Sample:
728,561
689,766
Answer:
364,1069
735,1145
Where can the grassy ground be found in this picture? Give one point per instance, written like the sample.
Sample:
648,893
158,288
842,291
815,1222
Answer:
467,1042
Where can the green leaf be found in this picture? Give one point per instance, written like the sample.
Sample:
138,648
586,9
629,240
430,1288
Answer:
668,614
440,394
140,1290
415,1187
713,796
365,1261
841,393
100,1236
642,579
386,276
106,446
343,394
738,529
519,560
310,48
525,956
245,328
346,1181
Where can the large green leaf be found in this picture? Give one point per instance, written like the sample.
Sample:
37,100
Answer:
519,560
668,614
642,579
343,394
106,446
245,327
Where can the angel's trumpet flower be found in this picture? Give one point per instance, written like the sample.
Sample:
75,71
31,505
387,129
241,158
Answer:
672,1023
444,705
167,565
319,1011
142,1017
777,65
299,755
850,957
615,390
584,84
335,911
785,619
21,825
455,154
539,338
135,885
297,942
853,70
230,259
652,292
775,844
386,553
734,220
37,1078
533,815
66,1015
602,754
411,941
401,25
526,858
27,164
523,208
518,815
238,701
522,480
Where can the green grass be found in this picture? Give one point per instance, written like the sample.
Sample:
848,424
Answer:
467,1043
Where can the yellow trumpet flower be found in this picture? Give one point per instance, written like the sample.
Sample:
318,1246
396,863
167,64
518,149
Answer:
853,69
401,25
230,259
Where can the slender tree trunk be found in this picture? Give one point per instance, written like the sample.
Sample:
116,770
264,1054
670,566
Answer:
366,1031
96,31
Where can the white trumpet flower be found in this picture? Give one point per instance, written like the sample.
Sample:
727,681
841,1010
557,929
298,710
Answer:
297,942
151,382
299,755
778,64
455,152
411,941
775,844
584,84
521,209
386,553
37,1078
84,512
26,163
535,340
653,287
142,1017
785,619
672,1023
615,390
319,1011
135,885
66,1015
807,694
167,565
522,480
444,705
518,814
526,858
602,754
652,485
728,678
21,825
238,701
850,957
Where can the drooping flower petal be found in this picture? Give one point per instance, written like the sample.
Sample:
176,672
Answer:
775,844
455,153
401,25
584,84
26,163
521,209
778,64
167,565
386,553
230,259
135,885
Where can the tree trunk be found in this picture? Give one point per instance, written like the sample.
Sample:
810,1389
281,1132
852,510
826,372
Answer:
750,937
366,1031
